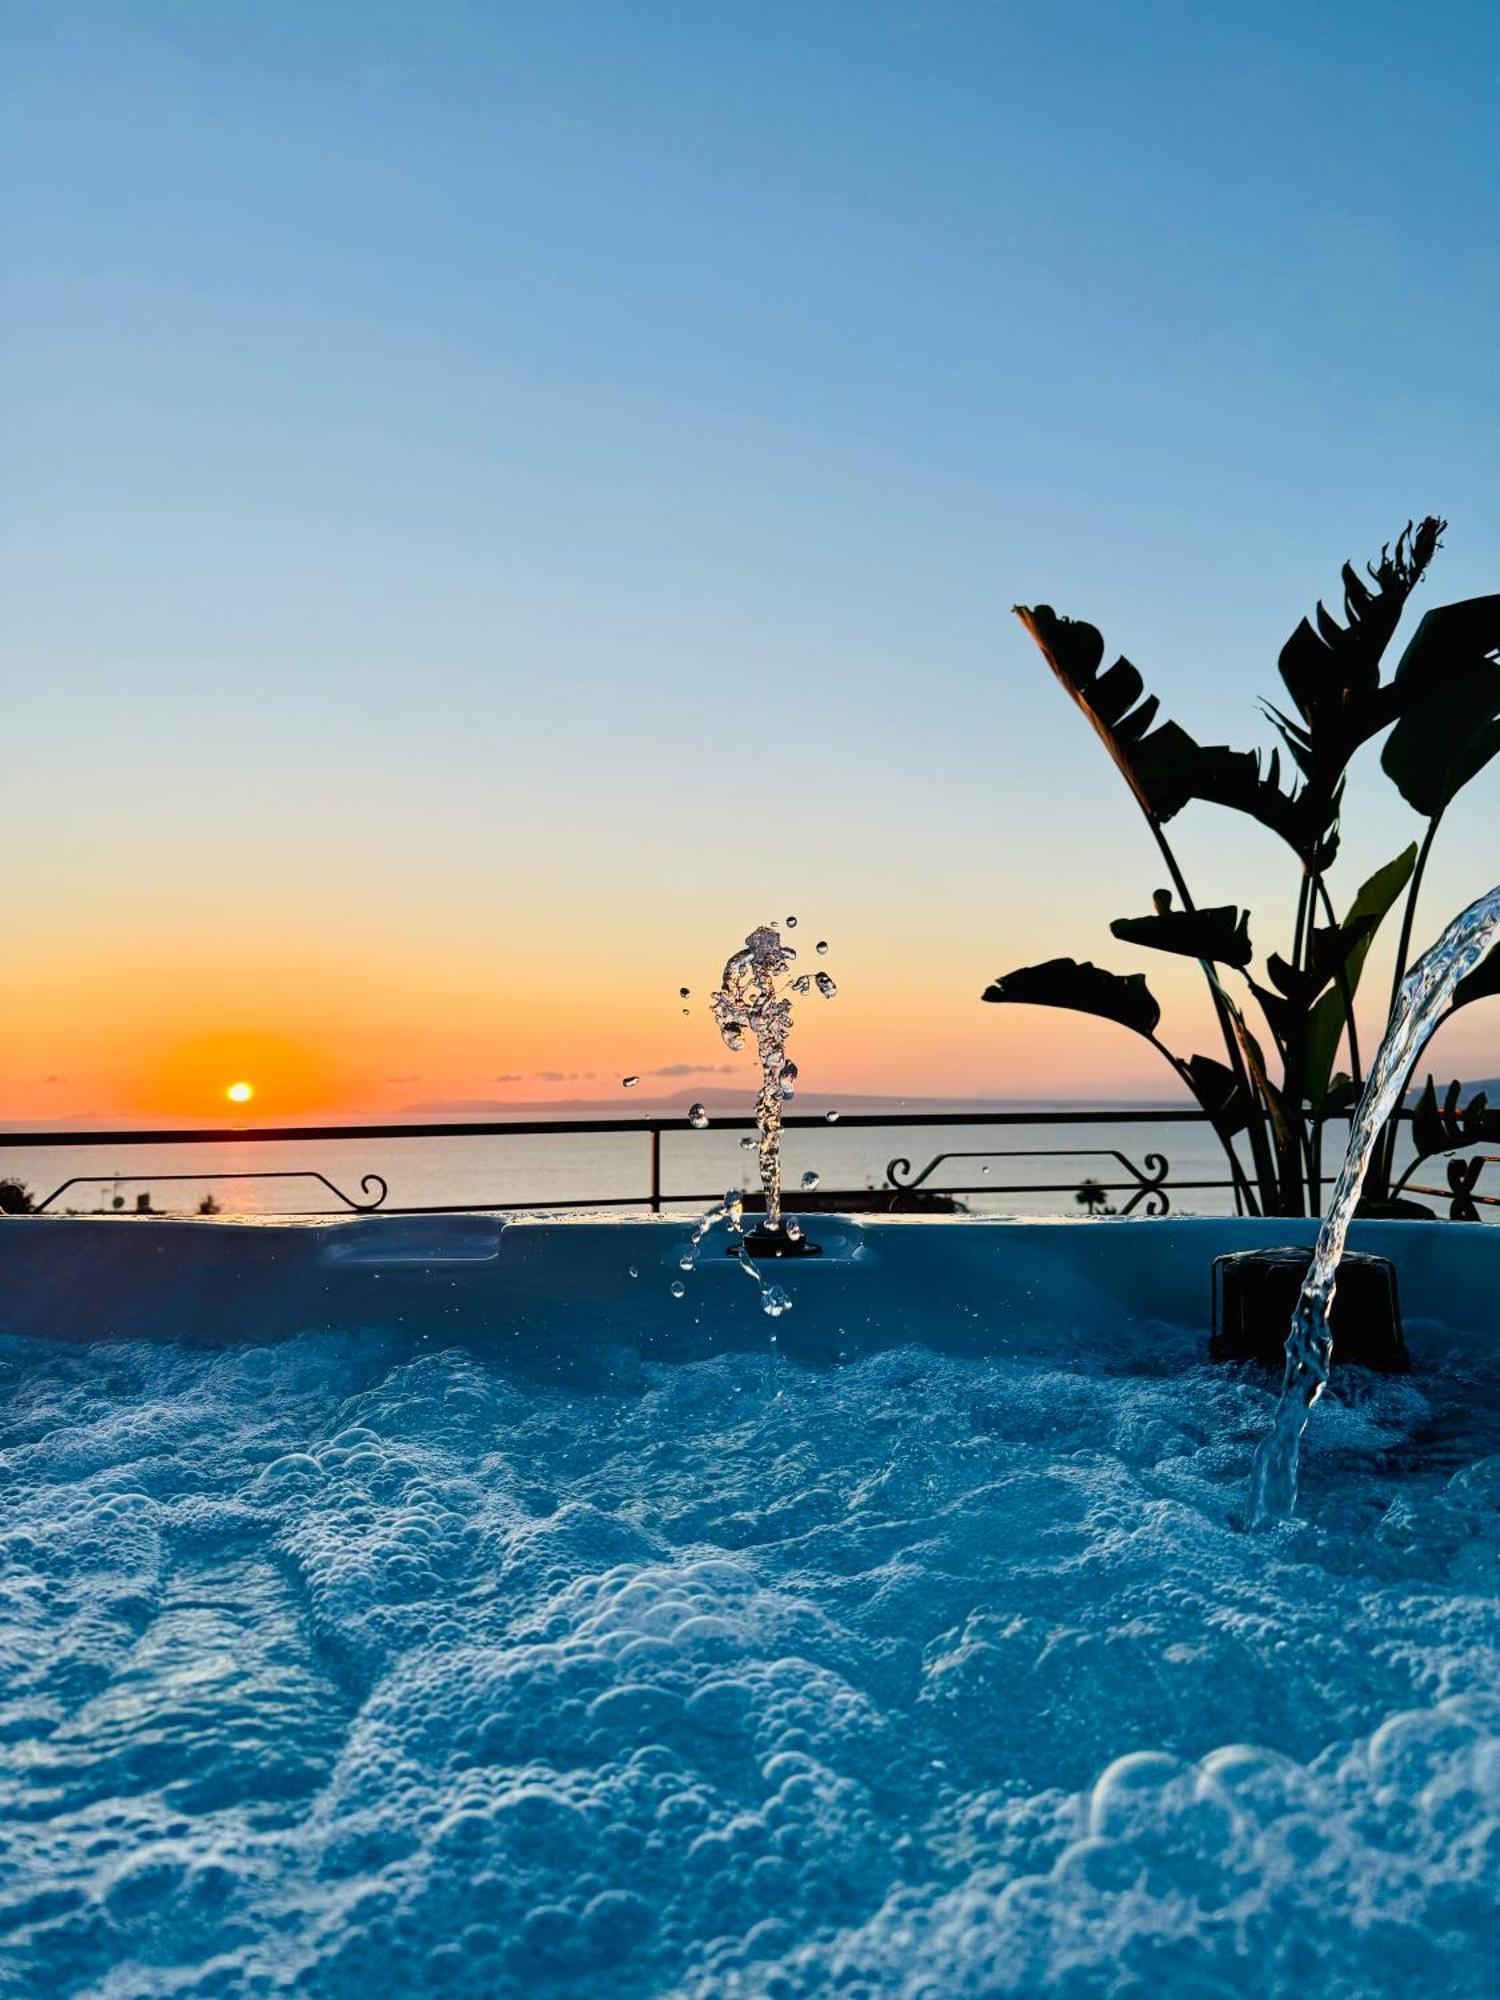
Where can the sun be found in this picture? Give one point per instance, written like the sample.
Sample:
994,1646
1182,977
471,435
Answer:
240,1093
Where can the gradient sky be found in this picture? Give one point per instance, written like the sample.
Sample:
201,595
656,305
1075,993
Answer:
500,499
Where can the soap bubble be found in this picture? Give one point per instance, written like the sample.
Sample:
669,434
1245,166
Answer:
629,1082
810,1179
697,1117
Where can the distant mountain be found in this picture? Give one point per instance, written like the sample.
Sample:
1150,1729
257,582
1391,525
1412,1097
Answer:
632,1104
1490,1085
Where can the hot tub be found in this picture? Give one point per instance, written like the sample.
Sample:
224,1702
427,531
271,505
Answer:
439,1605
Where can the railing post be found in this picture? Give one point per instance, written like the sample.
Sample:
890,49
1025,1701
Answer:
656,1170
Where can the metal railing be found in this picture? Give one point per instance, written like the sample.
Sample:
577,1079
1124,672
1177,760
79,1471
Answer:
1148,1188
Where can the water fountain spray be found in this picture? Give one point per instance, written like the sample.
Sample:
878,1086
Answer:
1425,996
755,999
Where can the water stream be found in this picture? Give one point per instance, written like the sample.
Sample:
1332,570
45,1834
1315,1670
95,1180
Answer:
1425,996
755,999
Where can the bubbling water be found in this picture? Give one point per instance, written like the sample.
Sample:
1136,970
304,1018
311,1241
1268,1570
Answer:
1425,996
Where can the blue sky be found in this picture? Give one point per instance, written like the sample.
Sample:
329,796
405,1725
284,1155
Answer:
512,492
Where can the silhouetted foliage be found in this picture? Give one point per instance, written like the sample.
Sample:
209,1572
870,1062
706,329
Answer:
1221,935
1442,709
1091,1195
1083,989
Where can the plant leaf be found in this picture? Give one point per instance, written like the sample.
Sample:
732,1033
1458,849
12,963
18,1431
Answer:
1448,685
1281,1015
1481,983
1326,1023
1339,1096
1163,766
1330,947
1218,1090
1441,1127
1082,988
1221,935
1333,673
1255,1062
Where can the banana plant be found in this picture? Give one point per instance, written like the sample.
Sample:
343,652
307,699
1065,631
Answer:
1282,1024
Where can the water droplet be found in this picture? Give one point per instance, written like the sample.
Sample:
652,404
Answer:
683,992
685,1261
793,1230
697,1117
679,1289
629,1082
822,944
789,1075
826,987
984,1170
686,1011
830,1118
810,1179
633,1271
747,1144
791,923
802,984
773,1300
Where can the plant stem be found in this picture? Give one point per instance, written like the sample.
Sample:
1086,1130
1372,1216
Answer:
1300,927
1385,1156
1408,916
1293,1151
1244,1194
1255,1121
1342,975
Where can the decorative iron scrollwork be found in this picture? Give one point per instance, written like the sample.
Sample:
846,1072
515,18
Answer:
1146,1190
372,1185
1463,1178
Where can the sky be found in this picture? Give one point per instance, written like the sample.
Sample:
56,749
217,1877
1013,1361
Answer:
498,500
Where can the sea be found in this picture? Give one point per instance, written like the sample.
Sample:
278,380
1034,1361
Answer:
1012,1169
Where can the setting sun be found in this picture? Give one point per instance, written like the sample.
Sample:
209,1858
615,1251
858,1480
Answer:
255,1069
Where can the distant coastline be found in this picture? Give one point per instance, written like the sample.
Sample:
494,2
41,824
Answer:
626,1105
719,1098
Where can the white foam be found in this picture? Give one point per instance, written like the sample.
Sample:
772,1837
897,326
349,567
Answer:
340,1666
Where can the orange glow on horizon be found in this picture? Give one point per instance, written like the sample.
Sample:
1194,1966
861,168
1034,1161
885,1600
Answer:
186,1078
368,1038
